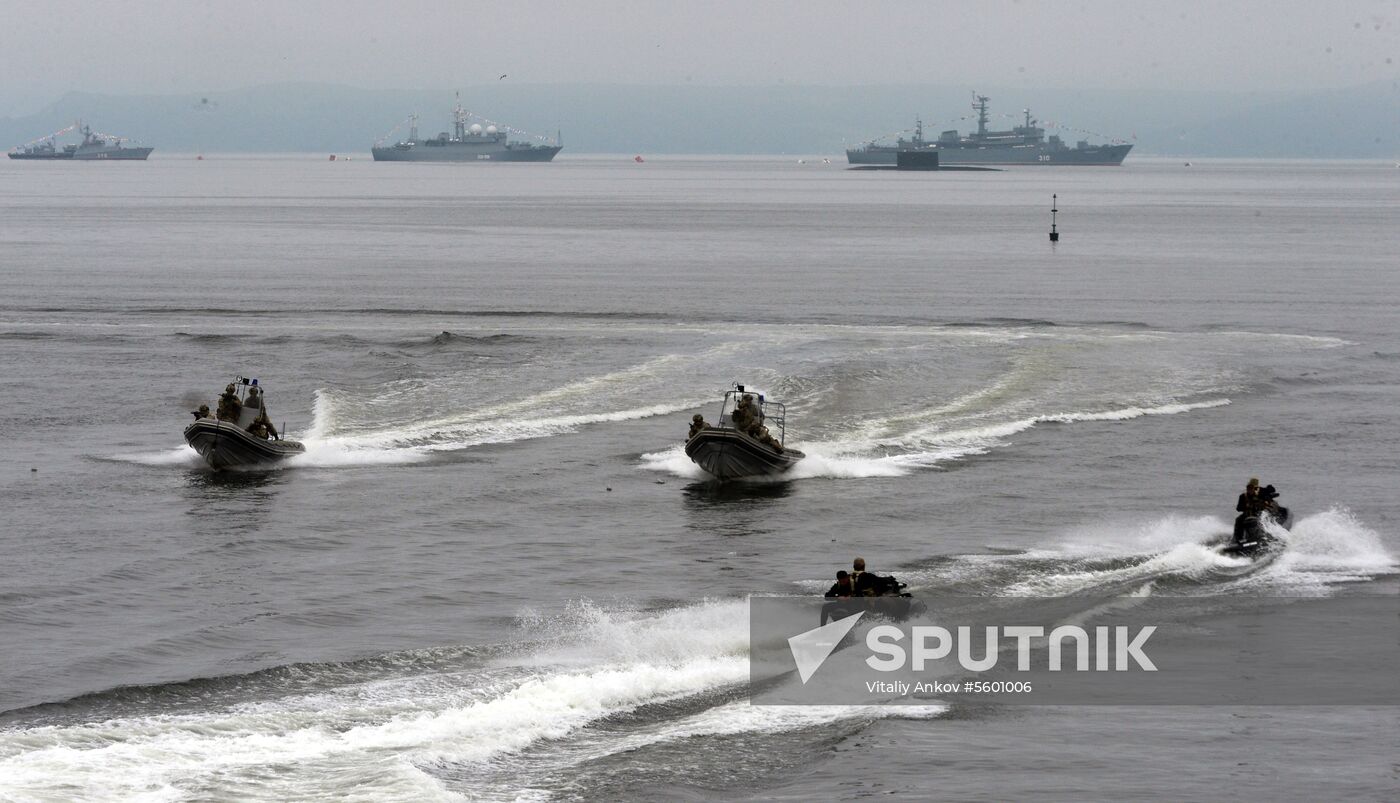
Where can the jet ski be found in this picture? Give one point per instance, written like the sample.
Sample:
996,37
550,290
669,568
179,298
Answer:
230,444
894,604
728,453
1255,539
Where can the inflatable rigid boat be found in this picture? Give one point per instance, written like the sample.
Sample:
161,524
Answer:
230,444
728,451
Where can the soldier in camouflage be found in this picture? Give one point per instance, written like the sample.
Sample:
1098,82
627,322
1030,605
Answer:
229,405
744,414
697,424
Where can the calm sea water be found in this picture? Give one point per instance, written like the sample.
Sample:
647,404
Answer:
495,575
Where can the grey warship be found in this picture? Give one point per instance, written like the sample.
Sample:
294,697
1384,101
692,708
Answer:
94,147
467,143
1024,144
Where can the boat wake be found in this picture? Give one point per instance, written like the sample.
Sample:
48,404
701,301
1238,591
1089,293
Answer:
863,401
349,432
815,465
419,441
884,402
432,724
926,447
577,689
1170,555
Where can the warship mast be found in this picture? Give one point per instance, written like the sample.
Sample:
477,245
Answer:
981,108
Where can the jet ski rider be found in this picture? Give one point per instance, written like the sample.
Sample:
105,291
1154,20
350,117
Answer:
1249,504
1254,502
842,588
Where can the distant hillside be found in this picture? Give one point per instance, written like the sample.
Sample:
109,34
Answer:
1363,122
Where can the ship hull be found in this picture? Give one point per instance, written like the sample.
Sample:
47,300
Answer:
465,153
225,445
1098,156
728,455
113,155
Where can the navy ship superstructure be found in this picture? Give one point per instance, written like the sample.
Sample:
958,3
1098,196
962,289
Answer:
1024,144
467,143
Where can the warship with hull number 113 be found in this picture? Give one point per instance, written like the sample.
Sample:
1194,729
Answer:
467,143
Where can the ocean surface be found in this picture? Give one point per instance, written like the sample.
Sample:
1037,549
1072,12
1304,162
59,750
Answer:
495,575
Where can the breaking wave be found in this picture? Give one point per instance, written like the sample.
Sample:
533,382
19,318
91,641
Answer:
446,338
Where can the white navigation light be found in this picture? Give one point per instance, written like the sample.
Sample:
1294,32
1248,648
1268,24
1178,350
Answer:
476,128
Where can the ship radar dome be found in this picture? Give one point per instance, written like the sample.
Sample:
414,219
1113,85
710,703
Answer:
490,129
476,128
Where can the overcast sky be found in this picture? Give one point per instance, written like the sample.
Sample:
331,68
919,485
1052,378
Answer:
48,47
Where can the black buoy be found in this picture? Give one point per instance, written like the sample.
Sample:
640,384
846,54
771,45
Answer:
1054,235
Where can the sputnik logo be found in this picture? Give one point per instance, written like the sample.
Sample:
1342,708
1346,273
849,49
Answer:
811,649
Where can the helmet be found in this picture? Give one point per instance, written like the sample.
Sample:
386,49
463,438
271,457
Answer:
697,418
229,389
253,391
